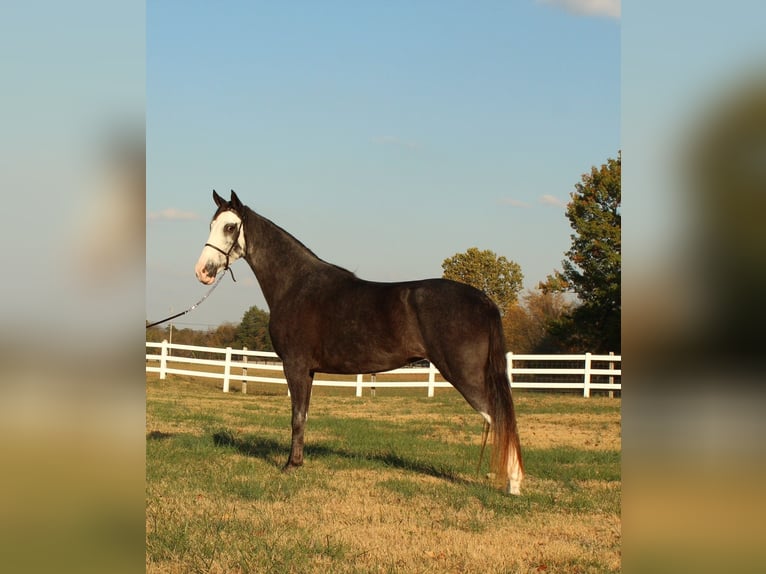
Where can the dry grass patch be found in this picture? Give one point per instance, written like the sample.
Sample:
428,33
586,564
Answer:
389,485
591,431
385,531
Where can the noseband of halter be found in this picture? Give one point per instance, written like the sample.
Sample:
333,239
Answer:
227,254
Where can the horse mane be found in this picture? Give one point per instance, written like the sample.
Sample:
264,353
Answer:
289,243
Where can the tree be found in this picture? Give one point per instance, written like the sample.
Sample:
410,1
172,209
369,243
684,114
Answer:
527,325
594,264
253,331
498,277
224,335
518,329
156,334
555,283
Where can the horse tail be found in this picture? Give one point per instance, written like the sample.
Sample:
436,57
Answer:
505,437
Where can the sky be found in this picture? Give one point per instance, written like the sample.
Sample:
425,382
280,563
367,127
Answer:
386,136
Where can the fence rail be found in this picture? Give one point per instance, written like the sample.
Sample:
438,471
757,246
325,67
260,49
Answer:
592,373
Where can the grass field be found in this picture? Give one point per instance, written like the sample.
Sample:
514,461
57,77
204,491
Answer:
389,484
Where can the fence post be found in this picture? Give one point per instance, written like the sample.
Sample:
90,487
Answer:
431,379
244,372
586,377
163,359
227,370
509,367
359,385
611,377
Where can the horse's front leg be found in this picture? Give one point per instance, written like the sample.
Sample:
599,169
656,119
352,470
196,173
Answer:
299,384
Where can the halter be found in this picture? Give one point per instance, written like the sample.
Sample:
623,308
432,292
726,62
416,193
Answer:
227,254
227,268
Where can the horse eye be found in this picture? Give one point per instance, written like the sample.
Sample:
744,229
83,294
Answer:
229,228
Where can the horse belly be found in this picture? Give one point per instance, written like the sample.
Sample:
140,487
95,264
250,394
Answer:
373,341
367,351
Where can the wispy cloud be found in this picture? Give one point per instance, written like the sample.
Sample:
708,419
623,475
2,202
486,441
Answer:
551,200
513,202
396,142
171,214
607,8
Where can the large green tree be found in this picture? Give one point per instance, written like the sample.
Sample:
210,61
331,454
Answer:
500,278
594,261
253,331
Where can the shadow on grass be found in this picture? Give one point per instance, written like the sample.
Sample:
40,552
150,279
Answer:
158,435
272,451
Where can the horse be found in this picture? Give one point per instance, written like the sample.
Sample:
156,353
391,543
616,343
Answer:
324,319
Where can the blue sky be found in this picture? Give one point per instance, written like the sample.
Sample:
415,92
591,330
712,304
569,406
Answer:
387,136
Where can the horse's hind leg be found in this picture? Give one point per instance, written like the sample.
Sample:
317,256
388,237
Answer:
299,383
472,382
468,380
469,383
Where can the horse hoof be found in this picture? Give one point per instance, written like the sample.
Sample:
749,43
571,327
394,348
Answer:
289,467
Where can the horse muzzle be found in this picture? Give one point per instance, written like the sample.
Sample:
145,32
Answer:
205,272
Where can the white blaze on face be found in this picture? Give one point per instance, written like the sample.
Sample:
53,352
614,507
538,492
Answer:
224,232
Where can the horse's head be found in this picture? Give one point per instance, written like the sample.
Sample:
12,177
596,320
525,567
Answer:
226,242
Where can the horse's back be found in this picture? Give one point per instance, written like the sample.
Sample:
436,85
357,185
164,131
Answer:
347,324
457,323
447,302
437,306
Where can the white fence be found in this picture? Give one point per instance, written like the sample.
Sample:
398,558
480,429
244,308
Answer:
594,372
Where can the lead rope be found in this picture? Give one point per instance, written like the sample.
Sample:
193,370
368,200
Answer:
197,303
225,269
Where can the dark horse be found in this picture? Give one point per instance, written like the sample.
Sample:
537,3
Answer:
325,319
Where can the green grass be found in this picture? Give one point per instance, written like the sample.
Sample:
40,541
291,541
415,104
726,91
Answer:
400,468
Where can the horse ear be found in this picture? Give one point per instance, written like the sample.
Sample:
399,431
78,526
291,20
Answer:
219,201
236,204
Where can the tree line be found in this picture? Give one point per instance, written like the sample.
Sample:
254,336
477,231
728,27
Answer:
576,309
252,332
